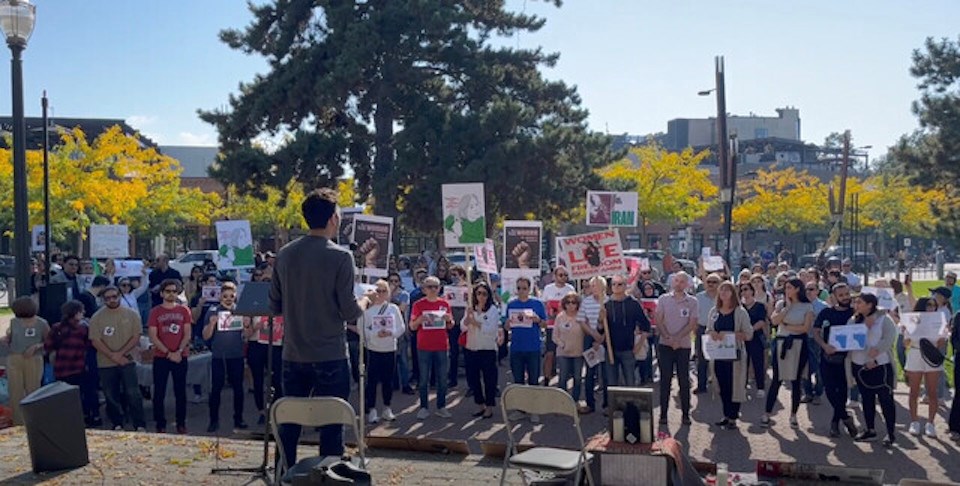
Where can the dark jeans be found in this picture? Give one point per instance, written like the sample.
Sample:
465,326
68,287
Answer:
122,393
90,386
756,352
702,377
437,363
414,361
621,372
354,348
257,359
320,379
835,387
453,335
163,368
590,380
954,421
672,361
227,369
795,388
78,380
482,375
380,371
883,394
401,378
525,362
724,372
813,357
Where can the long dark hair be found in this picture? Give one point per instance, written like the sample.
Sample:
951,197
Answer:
869,299
801,294
69,309
489,303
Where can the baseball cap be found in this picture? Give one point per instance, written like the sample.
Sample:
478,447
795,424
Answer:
945,292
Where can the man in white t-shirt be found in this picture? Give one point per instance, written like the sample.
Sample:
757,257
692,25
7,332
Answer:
552,295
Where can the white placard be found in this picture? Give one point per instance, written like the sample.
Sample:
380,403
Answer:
360,289
849,337
129,268
456,296
229,322
713,263
885,298
594,254
611,208
486,257
594,356
918,325
373,234
235,245
38,242
906,242
464,220
724,349
522,241
211,293
706,252
85,281
521,317
109,241
435,320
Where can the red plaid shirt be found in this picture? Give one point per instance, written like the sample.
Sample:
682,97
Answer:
71,344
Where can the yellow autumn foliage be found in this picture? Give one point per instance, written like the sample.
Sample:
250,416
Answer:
785,200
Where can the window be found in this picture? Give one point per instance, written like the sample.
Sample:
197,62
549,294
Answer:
760,133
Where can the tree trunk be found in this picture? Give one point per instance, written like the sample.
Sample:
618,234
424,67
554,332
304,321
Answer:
385,194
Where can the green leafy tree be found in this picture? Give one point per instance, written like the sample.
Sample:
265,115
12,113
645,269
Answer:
409,94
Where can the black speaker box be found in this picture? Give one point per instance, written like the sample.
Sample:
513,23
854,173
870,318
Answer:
52,297
56,435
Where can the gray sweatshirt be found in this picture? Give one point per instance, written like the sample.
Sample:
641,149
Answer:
312,288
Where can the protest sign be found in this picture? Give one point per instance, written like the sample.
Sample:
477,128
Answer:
128,268
346,225
611,208
235,244
435,320
264,335
211,293
38,239
521,317
929,325
373,234
486,257
593,254
229,322
109,241
381,323
849,337
522,241
85,281
464,221
885,298
713,263
595,356
724,349
456,296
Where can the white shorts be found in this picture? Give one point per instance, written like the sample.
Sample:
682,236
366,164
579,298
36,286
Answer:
916,363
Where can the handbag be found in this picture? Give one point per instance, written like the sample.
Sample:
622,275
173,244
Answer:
930,353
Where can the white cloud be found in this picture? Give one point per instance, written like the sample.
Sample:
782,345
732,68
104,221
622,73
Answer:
140,121
203,139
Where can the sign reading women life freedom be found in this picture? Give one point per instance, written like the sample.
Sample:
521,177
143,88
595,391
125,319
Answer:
235,244
594,254
109,241
373,234
522,241
464,221
612,208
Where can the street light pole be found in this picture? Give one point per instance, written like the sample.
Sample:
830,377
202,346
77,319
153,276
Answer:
17,19
46,189
723,154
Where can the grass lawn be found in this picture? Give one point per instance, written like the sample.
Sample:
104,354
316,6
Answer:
5,311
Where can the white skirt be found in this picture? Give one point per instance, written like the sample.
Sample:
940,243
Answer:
915,362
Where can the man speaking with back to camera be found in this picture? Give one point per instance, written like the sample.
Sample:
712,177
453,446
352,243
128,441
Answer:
313,289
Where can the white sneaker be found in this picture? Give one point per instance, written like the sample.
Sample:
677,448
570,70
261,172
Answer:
423,414
444,413
372,417
197,399
931,431
118,427
761,394
915,428
144,429
515,415
388,415
534,418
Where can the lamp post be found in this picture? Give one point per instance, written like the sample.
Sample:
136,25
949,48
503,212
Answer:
728,175
17,18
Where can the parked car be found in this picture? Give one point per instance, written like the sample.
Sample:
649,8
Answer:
192,258
655,257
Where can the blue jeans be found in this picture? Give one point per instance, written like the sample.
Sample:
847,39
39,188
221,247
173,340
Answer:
439,362
813,363
571,367
590,381
318,379
402,378
525,362
702,377
623,365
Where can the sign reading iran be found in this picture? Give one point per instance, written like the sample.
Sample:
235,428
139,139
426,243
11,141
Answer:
612,208
593,254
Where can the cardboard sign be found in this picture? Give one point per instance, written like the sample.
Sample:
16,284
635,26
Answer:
486,257
129,268
229,322
885,298
235,245
382,323
724,349
521,317
435,320
849,337
522,241
464,215
918,325
594,254
713,263
456,296
109,241
373,234
612,208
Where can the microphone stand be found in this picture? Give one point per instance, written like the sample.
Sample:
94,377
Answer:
362,368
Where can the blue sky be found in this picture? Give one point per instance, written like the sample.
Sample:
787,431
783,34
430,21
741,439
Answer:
637,63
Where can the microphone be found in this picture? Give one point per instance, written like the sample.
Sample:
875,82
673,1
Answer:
353,246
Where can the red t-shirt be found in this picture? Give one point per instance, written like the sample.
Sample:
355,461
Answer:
170,327
431,339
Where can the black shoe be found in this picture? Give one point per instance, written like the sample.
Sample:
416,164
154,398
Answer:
407,390
889,440
806,399
469,392
851,427
213,427
699,391
479,413
241,425
834,429
686,420
730,425
663,420
866,436
722,423
262,419
451,385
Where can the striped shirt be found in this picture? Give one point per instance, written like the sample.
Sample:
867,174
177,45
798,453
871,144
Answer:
590,310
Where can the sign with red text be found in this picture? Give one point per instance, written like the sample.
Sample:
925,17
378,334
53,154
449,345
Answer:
594,254
486,257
